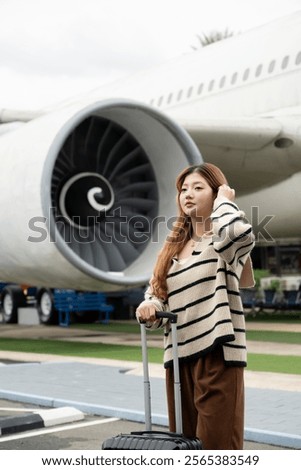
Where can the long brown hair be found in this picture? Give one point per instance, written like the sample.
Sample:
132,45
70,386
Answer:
182,229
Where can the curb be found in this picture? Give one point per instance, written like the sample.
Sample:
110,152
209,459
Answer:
39,419
291,441
20,424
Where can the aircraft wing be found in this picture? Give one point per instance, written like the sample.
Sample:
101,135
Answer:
254,153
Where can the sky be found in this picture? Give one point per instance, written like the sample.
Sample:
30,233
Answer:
51,50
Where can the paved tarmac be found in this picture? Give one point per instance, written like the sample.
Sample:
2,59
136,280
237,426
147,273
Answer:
115,388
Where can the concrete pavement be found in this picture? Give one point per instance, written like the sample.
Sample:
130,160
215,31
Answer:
115,388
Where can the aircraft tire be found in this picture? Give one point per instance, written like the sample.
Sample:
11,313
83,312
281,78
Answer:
12,298
45,305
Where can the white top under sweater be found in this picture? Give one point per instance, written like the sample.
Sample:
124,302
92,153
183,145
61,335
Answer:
203,290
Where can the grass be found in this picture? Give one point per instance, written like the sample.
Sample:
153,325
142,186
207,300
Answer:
80,349
256,362
275,317
288,337
133,328
113,327
270,363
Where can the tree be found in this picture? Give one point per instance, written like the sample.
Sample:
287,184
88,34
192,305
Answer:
205,39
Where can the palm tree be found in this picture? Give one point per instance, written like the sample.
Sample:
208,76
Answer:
205,39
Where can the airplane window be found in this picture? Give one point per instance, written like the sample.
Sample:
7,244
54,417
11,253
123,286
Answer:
272,66
169,98
189,93
234,78
160,100
200,89
258,70
180,95
222,82
211,85
246,75
285,62
298,58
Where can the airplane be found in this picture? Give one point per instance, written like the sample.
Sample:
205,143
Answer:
87,186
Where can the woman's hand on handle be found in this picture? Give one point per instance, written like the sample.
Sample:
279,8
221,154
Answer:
146,312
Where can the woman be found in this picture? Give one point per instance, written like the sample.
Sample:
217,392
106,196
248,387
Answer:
202,265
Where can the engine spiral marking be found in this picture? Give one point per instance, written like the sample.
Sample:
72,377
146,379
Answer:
102,177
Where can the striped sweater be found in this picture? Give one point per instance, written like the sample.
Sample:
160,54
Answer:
203,290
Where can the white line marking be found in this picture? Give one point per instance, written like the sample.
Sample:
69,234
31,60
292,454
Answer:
30,410
25,435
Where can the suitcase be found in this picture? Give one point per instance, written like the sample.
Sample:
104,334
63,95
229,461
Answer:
154,440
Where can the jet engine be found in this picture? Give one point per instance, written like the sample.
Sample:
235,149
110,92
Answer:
88,195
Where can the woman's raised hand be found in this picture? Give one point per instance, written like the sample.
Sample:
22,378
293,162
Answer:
225,191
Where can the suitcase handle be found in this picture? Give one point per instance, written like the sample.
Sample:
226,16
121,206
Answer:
172,317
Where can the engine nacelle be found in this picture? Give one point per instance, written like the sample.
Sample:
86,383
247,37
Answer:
87,195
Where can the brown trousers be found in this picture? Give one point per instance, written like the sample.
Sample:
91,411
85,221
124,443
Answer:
212,401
